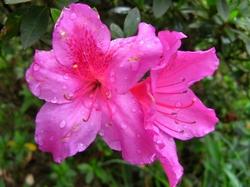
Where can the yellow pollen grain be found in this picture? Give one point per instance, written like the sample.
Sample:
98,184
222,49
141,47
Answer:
133,59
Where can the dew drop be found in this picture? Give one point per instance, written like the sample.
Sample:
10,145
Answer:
139,151
112,79
101,133
81,147
62,124
141,42
36,67
54,100
73,16
112,74
66,76
178,104
123,126
134,110
62,33
108,94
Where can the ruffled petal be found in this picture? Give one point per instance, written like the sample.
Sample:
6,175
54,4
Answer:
167,154
185,69
62,131
51,81
81,39
171,41
127,122
108,132
183,115
132,57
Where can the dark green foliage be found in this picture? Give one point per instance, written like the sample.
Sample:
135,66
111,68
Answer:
218,160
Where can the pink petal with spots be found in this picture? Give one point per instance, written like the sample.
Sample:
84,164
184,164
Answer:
80,38
168,157
183,116
132,57
108,132
171,41
127,122
185,69
51,81
62,131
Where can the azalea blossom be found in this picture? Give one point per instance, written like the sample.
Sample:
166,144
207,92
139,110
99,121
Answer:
171,109
85,80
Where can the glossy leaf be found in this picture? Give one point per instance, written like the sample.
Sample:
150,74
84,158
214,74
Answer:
15,1
131,21
160,7
223,9
33,25
55,13
116,31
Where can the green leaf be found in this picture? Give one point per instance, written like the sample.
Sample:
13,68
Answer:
55,13
33,25
223,9
116,31
131,22
15,1
160,7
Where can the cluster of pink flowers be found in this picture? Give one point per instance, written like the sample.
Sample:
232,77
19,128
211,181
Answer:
93,85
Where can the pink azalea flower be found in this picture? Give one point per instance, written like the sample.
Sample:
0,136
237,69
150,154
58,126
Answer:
171,109
85,81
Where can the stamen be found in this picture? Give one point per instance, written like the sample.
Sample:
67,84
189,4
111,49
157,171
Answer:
173,84
176,106
164,126
172,93
93,100
176,120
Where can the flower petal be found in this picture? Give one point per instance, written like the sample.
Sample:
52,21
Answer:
127,122
132,57
49,80
171,41
61,130
81,38
167,154
183,116
185,69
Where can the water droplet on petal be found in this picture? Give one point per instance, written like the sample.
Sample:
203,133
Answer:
141,42
101,133
62,124
112,79
178,104
134,110
108,94
139,151
66,76
81,147
73,16
63,33
123,126
36,67
112,74
54,100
